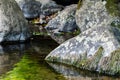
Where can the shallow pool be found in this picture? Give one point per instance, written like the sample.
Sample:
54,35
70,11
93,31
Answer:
26,62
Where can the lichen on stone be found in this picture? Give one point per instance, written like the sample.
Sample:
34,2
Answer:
113,7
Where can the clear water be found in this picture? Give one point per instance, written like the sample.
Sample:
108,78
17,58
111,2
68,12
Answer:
26,62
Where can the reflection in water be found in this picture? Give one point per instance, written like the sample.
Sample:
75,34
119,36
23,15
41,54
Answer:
9,55
30,65
72,73
14,48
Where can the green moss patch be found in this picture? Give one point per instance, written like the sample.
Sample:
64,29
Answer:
30,69
113,7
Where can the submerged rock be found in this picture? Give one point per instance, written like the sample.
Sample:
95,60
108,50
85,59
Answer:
13,26
97,48
63,22
35,8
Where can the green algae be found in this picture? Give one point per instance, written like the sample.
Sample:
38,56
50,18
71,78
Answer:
30,69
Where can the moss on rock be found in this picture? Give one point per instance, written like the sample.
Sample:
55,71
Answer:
79,4
113,7
111,64
116,24
91,63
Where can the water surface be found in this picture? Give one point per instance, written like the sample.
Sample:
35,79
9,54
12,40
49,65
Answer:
26,62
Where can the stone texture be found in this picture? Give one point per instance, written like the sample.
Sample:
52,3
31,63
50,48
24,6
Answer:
35,8
49,7
97,47
13,26
31,9
63,22
22,2
95,16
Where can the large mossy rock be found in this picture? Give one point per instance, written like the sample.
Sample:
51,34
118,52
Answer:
97,47
63,23
13,26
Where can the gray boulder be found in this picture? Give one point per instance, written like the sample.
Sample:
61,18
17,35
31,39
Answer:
63,22
97,48
13,26
49,7
93,17
35,8
31,9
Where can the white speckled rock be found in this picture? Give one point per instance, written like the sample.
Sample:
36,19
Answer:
97,48
13,26
95,16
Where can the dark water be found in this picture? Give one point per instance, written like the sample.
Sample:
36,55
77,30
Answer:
26,62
